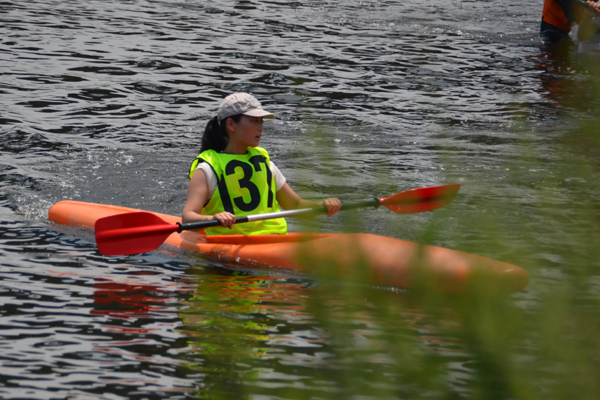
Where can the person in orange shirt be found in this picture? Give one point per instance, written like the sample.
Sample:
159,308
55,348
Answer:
560,17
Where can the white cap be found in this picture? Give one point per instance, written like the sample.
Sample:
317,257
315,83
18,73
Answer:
241,103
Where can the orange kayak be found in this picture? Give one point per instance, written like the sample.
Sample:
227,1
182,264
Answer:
377,259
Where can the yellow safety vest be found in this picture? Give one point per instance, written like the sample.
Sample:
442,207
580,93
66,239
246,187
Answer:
245,187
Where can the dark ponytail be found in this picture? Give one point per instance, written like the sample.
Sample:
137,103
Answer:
215,136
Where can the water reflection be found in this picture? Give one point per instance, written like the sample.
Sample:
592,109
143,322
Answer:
127,299
290,337
249,325
567,78
74,328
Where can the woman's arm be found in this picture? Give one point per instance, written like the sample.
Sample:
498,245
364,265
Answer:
196,198
289,200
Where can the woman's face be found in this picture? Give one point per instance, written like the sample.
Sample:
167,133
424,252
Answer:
247,132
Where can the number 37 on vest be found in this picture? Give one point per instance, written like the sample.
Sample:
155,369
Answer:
245,186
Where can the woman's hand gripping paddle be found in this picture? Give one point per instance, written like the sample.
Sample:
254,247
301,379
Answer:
140,232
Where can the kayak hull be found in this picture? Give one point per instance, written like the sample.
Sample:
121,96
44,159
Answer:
365,257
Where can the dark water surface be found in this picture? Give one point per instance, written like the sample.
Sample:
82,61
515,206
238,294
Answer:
104,101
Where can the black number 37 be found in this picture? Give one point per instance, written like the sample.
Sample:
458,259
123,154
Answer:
246,183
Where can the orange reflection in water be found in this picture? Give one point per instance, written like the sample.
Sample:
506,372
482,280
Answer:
127,298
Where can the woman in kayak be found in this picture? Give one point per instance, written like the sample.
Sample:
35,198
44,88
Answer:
233,177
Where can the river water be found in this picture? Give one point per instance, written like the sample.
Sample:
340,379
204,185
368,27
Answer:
104,101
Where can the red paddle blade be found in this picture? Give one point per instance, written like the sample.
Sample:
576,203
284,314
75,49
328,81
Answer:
131,233
421,199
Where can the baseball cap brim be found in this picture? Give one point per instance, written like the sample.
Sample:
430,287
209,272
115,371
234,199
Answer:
259,113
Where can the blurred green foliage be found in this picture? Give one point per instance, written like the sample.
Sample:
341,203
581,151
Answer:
356,341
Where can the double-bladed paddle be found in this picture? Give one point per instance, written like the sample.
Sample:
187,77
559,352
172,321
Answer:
140,232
